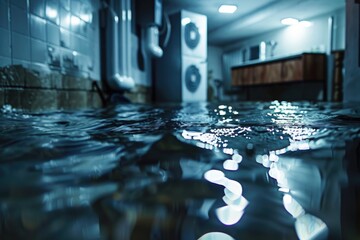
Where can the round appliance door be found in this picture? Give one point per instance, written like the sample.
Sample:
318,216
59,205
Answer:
192,78
192,35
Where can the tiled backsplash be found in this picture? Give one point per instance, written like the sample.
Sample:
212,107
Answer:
49,54
51,34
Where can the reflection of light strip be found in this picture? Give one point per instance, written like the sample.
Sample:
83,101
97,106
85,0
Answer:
229,215
310,227
239,203
233,189
230,165
292,206
215,235
215,176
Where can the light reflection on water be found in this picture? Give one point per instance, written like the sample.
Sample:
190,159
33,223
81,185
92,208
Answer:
193,171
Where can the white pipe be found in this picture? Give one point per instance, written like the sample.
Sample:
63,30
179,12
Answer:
123,48
153,47
330,60
117,80
128,45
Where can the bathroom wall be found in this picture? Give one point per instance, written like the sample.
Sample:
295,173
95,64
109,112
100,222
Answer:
49,50
215,72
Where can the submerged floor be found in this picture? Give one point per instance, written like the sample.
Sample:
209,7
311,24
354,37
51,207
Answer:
194,171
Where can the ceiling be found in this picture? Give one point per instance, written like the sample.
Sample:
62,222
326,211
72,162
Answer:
252,17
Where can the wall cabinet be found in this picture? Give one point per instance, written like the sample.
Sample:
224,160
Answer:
298,68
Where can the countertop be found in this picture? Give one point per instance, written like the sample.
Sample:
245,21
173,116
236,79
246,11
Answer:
275,59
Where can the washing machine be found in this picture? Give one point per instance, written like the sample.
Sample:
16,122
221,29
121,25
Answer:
181,74
194,34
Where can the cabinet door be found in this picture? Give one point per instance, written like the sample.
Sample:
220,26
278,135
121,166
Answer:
235,77
259,76
292,70
246,76
273,72
314,67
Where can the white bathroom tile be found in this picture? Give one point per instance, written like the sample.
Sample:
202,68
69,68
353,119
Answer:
53,56
65,4
75,7
52,33
52,11
4,43
67,58
38,27
80,44
65,18
37,7
76,24
20,46
86,11
64,38
84,28
38,51
19,20
20,3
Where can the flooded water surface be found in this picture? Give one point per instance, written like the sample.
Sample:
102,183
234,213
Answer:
273,170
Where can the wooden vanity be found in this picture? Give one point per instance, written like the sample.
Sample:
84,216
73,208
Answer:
280,74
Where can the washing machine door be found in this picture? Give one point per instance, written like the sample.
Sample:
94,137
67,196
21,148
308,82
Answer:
192,78
192,35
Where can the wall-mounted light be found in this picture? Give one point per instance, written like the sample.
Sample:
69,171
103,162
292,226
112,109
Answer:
227,8
294,21
289,21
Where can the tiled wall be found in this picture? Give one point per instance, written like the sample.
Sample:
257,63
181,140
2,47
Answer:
61,35
50,36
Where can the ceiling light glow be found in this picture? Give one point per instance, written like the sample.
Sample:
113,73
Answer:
289,21
305,23
227,8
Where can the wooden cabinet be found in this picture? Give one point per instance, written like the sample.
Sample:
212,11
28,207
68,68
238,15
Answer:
304,67
292,70
273,73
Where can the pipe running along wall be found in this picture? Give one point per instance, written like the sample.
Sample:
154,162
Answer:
118,46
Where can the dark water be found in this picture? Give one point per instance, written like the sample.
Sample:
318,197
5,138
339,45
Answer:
241,171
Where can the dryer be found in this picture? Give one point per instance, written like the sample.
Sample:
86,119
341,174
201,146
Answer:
181,74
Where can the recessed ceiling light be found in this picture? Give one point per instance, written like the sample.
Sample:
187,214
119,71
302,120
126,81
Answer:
227,8
305,23
289,21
